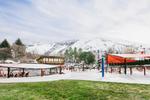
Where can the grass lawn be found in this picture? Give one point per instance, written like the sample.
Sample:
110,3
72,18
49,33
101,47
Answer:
74,90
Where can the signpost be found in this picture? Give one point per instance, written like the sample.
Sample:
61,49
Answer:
103,63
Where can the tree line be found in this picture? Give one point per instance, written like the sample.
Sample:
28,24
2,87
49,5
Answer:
15,51
74,55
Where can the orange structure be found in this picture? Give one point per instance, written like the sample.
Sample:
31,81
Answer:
134,60
113,59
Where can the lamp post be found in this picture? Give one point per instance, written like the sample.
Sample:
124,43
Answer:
98,58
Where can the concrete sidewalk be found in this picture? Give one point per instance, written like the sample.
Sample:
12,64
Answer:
92,75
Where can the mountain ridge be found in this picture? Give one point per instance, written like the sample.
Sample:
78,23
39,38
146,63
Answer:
94,44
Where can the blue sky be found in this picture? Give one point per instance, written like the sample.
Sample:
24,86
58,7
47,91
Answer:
58,20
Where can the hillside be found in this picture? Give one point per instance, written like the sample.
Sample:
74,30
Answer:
86,44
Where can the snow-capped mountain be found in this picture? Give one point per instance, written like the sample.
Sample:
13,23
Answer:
39,48
95,44
51,48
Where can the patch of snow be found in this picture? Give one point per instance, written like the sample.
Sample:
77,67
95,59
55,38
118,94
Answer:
39,48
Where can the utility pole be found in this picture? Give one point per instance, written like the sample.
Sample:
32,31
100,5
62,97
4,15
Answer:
98,59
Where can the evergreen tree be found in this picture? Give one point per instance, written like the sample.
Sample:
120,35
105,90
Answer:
19,49
5,50
19,42
79,53
5,54
66,55
75,53
5,44
70,56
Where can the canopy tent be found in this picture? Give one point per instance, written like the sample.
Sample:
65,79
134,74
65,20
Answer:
128,59
29,66
112,59
125,58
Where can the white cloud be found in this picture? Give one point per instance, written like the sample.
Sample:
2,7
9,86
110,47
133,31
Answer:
53,20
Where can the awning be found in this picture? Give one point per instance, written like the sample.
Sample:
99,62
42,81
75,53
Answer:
29,66
113,59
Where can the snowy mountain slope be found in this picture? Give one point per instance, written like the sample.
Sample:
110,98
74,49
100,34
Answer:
102,44
95,44
60,47
39,48
52,48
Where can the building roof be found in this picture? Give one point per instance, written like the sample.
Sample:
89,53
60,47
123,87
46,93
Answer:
132,55
29,66
50,57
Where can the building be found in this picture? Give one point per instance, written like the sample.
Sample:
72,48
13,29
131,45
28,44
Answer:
52,60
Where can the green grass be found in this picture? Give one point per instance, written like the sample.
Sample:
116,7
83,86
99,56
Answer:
74,90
